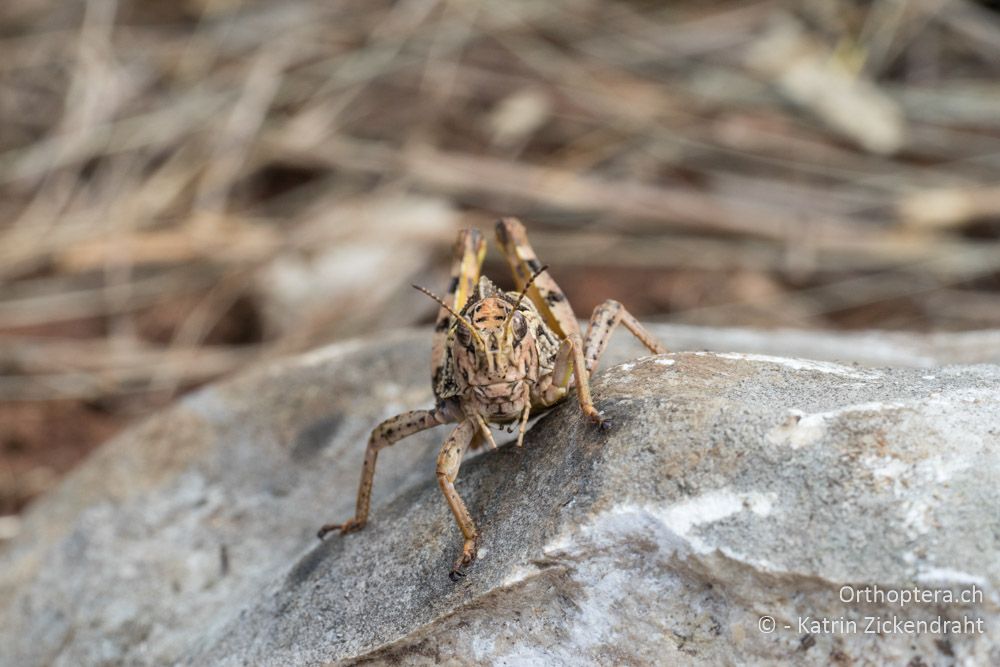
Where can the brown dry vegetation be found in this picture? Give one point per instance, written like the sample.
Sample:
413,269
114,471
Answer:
191,187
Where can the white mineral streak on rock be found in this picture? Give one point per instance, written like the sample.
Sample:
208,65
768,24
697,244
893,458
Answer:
949,576
803,365
675,525
799,429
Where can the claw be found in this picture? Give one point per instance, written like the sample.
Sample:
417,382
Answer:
348,526
469,552
599,421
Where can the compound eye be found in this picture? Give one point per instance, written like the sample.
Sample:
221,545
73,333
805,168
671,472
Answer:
518,325
463,335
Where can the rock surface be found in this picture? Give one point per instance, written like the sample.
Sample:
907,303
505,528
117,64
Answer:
733,487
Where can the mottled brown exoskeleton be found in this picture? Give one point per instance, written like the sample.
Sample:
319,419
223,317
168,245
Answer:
498,358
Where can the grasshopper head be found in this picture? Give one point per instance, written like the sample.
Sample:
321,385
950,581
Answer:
493,329
490,328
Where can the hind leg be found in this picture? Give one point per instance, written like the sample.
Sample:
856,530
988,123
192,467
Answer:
467,260
603,321
544,293
551,303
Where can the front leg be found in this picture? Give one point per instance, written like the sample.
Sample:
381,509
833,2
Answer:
525,414
448,463
485,432
389,432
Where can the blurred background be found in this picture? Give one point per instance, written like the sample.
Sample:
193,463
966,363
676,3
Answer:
188,187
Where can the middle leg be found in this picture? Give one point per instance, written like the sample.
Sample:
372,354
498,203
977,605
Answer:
448,463
603,321
570,366
385,434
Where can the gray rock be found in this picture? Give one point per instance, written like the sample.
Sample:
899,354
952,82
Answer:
733,487
870,348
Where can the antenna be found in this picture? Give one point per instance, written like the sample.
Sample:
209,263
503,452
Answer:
451,310
524,290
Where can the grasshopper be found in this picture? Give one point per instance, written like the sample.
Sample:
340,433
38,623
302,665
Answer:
498,358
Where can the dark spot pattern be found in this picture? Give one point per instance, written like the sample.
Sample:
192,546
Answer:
502,235
553,298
